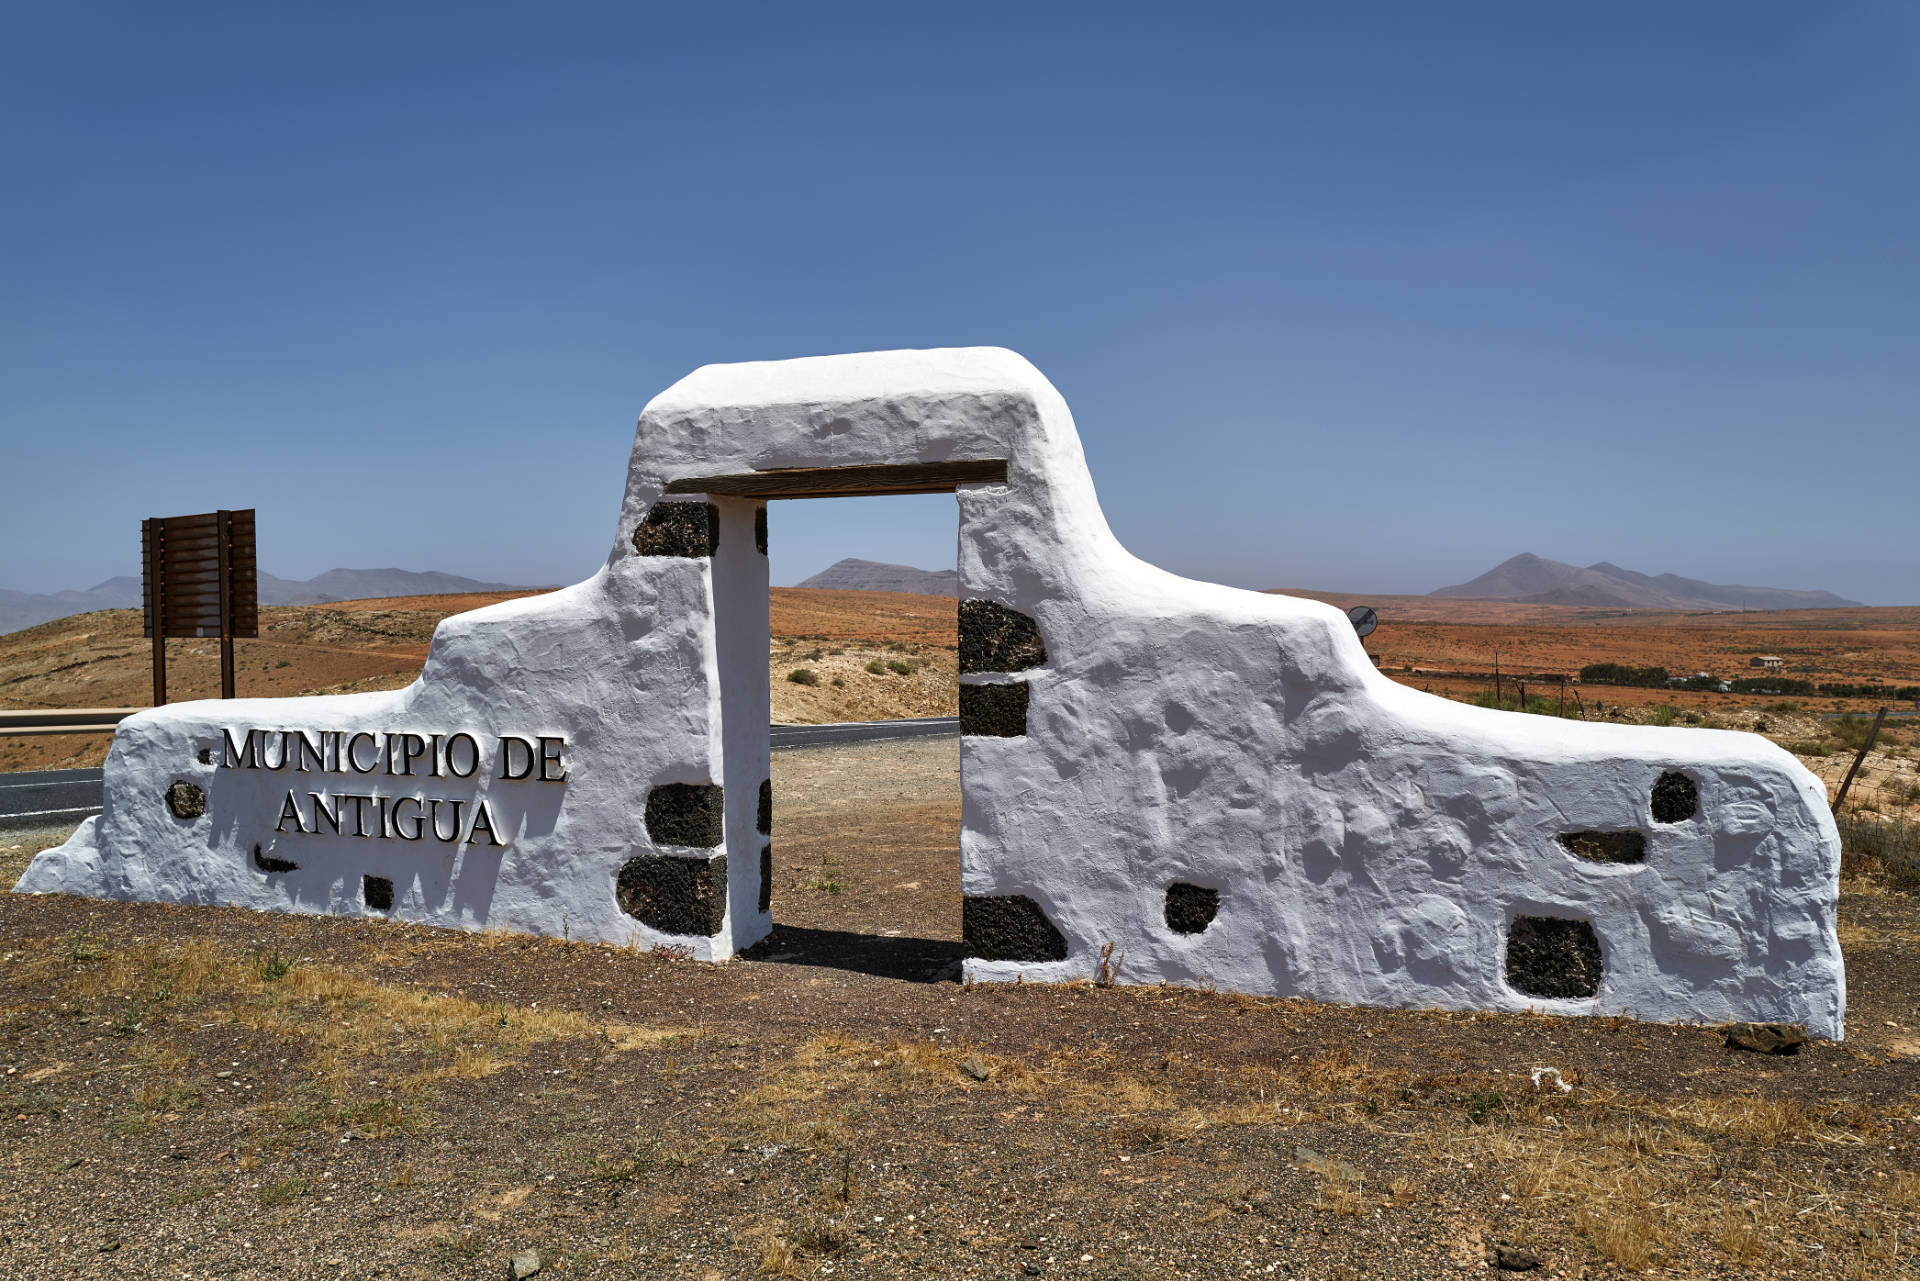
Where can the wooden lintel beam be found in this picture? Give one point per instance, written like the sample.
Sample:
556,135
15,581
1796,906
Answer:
849,482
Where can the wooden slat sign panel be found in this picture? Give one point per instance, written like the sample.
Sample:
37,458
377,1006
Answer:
198,575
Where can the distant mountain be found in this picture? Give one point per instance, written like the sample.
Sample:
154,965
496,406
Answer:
871,576
1534,580
28,609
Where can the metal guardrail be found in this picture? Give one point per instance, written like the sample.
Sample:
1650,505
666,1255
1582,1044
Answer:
66,720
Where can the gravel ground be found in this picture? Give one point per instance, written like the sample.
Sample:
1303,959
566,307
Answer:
194,1092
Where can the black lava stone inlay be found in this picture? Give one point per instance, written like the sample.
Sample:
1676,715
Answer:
998,711
686,814
206,756
377,893
1191,908
268,863
1009,927
760,530
994,638
766,878
678,529
1606,847
1675,798
1553,957
186,800
764,821
675,895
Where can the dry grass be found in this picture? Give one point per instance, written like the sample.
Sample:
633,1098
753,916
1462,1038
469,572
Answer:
1645,1181
1637,1177
1739,1238
1640,1179
778,1256
337,1009
348,1023
1621,1236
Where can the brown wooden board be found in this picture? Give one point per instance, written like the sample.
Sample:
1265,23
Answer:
847,482
198,574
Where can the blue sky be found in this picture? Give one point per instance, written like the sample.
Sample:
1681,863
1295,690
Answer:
1365,297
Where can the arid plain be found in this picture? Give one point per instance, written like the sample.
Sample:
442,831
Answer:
856,655
198,1091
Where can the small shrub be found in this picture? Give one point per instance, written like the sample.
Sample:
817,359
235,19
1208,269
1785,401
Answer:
1664,714
33,1103
839,682
804,676
898,668
1482,1104
272,966
877,667
1620,674
821,1234
1852,731
130,1019
639,1163
1512,702
456,1247
282,1191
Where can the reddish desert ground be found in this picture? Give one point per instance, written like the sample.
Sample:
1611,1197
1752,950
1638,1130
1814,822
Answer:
851,655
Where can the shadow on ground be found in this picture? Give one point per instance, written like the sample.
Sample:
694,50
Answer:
914,960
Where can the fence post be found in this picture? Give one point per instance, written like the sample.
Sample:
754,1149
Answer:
1865,747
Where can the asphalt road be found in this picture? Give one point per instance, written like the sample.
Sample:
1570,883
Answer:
51,798
48,798
787,736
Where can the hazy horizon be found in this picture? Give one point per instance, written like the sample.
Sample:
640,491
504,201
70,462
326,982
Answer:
792,578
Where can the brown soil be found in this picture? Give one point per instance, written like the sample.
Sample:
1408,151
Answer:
204,1092
854,644
802,613
1833,645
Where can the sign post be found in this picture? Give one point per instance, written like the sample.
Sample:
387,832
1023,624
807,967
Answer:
198,577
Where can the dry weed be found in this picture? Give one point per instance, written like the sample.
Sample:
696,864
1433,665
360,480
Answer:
1739,1239
1340,1196
1622,1236
1901,1189
778,1257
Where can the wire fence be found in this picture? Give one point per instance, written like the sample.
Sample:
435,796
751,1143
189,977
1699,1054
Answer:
1875,791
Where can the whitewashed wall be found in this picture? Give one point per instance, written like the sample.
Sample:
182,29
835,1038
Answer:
1367,843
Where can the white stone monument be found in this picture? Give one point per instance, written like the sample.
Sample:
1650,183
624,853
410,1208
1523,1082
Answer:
1202,783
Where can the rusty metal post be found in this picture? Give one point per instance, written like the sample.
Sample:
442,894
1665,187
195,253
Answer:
153,537
223,534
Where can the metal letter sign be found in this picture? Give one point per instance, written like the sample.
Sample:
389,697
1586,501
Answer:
198,578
